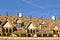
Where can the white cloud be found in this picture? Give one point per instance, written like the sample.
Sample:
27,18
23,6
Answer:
33,4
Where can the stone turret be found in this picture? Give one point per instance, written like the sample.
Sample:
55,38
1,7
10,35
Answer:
53,17
19,14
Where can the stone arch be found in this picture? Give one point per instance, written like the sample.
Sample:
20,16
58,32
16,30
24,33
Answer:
23,35
3,34
45,35
29,35
17,35
55,31
50,35
39,35
7,34
0,34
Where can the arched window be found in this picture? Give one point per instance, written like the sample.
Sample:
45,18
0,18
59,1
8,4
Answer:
31,31
34,31
10,31
22,24
28,31
54,31
7,30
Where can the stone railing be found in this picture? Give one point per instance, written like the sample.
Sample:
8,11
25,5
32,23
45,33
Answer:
29,38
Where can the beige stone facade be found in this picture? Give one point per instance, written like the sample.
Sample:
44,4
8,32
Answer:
13,26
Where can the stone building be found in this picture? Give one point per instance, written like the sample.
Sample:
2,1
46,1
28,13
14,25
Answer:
20,26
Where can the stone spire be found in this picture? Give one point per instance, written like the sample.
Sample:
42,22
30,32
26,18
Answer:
30,17
42,23
6,17
42,20
7,13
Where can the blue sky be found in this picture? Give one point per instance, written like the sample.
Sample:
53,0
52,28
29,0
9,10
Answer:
36,8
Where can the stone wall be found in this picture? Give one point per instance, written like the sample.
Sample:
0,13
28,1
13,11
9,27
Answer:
29,38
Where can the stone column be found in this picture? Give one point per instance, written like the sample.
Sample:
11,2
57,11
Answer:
47,35
29,31
31,35
12,30
42,35
6,34
1,34
26,31
19,35
5,30
35,30
8,30
32,31
27,34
